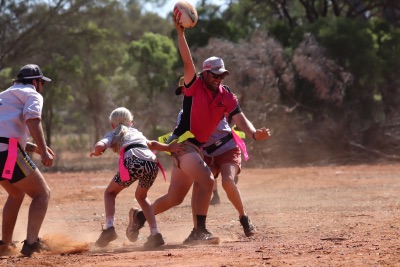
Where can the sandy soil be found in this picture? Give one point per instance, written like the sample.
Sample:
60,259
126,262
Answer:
314,216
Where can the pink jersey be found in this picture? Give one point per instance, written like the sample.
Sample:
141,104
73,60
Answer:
206,112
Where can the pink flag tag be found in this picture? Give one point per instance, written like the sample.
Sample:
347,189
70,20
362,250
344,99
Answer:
123,172
11,158
240,144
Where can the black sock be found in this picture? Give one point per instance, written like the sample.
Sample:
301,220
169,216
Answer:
201,222
215,193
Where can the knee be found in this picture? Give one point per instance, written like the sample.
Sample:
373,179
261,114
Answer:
43,196
46,194
176,200
140,197
109,193
209,183
228,183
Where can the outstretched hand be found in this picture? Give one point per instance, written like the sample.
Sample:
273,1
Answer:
261,134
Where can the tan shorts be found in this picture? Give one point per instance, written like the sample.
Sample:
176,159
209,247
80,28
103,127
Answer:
232,156
189,148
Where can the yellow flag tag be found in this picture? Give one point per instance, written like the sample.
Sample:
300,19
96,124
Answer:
239,133
163,139
185,136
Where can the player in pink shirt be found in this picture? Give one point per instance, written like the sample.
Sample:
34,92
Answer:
208,102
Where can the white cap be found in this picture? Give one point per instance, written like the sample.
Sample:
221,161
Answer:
215,65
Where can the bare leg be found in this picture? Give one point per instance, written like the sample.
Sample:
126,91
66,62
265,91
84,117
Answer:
177,191
145,204
110,195
215,189
228,173
195,192
10,211
36,187
193,166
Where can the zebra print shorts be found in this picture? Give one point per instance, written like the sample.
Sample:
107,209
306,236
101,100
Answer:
139,169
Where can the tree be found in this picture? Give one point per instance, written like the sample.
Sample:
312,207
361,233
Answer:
152,60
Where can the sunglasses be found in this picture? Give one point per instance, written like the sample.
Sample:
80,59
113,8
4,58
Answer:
41,81
217,76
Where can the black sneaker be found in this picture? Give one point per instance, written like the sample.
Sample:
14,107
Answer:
248,226
154,241
37,246
205,237
191,238
132,231
106,237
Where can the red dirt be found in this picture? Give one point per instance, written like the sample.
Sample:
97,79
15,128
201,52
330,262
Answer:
314,216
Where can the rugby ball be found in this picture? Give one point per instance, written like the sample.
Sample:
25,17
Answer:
186,14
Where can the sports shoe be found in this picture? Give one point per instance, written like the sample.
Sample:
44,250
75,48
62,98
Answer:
37,246
215,200
248,226
191,238
132,231
106,237
205,237
7,250
154,241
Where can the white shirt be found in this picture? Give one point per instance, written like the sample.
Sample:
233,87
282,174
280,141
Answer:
132,137
18,103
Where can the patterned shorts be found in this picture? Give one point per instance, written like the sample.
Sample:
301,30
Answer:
23,167
139,169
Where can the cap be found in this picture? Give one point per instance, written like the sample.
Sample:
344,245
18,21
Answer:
215,65
181,83
31,71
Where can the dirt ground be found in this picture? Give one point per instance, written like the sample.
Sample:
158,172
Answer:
313,216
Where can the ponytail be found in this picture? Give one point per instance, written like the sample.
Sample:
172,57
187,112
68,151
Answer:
119,137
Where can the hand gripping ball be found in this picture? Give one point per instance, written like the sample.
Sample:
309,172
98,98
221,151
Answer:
186,14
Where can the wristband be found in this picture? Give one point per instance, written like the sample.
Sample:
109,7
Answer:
254,137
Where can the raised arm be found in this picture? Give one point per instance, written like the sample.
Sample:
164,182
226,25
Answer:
189,69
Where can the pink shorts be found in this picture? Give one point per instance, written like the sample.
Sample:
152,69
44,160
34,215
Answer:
232,156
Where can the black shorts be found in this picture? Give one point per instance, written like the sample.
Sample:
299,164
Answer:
23,167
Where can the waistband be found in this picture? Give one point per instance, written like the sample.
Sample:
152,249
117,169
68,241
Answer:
211,148
4,140
195,142
134,146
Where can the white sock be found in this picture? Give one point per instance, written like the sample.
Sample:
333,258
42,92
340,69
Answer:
154,230
109,221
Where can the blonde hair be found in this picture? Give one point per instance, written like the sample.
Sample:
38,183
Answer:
121,118
181,81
